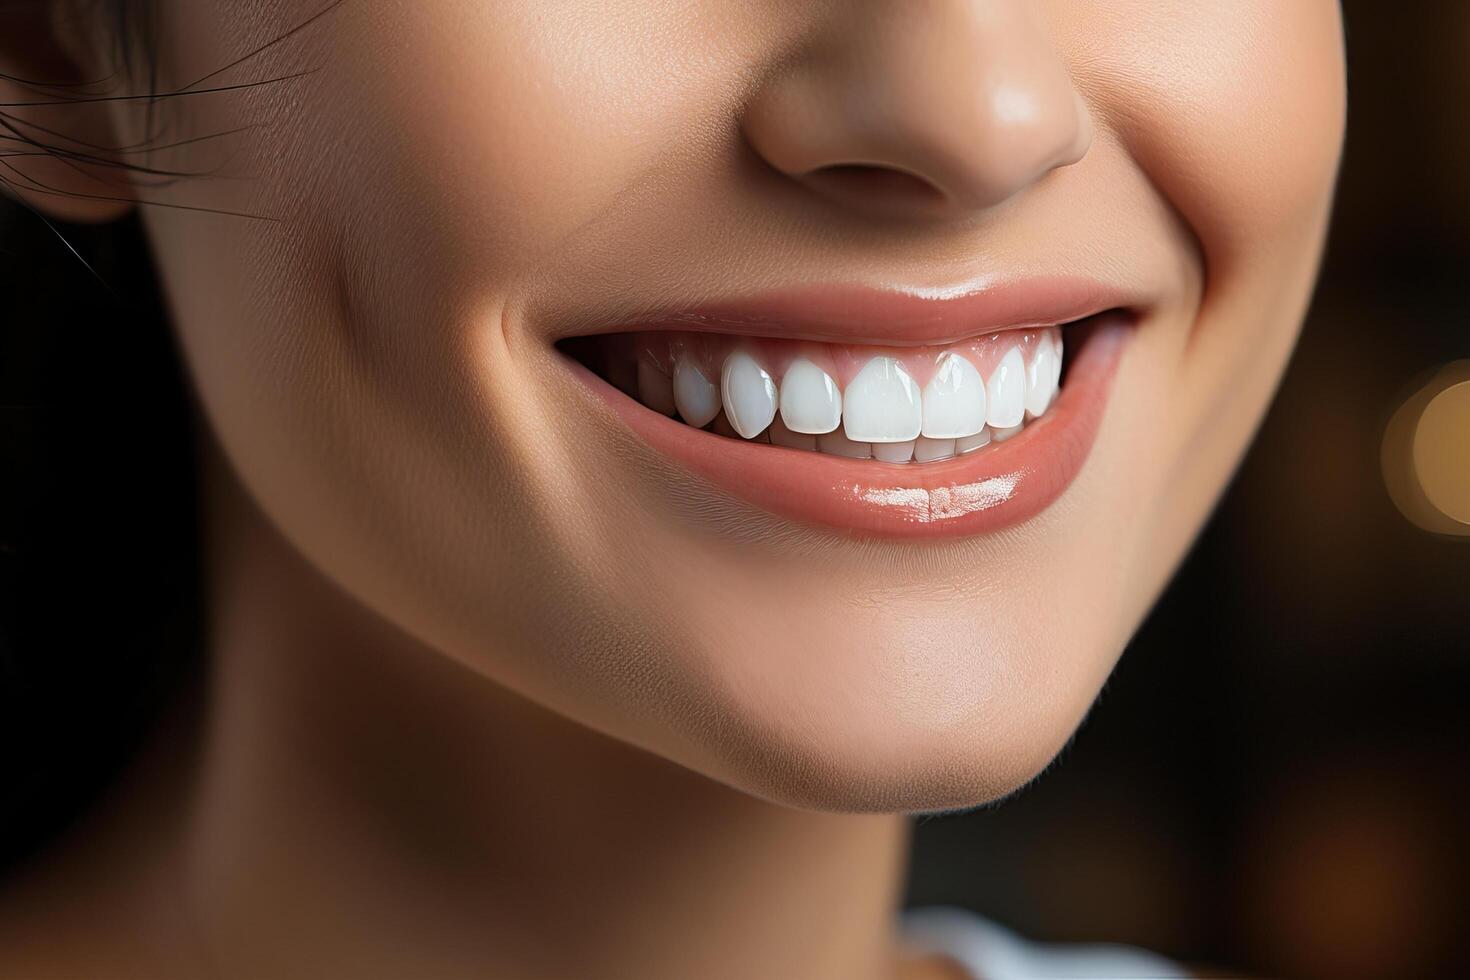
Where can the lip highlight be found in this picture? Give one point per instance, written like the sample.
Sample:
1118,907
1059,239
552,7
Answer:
978,493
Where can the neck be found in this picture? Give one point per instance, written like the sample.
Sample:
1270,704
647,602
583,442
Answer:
368,807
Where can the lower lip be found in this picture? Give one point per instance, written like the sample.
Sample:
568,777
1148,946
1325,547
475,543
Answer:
978,493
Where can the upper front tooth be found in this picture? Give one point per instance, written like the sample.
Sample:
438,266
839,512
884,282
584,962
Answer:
882,404
1006,392
654,388
954,400
696,397
749,394
1040,378
811,402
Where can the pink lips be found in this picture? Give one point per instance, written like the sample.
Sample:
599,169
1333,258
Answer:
996,487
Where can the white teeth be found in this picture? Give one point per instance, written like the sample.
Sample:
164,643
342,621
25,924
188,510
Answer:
837,444
954,400
696,397
971,443
882,404
881,415
811,402
749,394
928,450
1040,379
781,435
1006,392
655,389
894,452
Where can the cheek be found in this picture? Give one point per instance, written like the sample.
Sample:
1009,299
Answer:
1235,110
1233,113
529,121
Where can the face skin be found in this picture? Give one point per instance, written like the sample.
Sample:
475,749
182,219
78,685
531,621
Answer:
460,181
455,187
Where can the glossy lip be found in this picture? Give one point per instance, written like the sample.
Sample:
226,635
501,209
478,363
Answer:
982,492
892,316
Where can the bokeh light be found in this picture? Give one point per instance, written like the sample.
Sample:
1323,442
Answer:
1426,453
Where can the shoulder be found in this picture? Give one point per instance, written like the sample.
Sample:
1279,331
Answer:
994,952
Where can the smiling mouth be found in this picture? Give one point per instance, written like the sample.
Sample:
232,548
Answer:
893,405
776,404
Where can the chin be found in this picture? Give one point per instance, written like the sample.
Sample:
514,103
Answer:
891,712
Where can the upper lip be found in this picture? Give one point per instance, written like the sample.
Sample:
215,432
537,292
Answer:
852,313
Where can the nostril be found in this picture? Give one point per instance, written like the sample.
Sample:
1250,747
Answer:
874,185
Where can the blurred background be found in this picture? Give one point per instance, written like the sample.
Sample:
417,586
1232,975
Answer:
1274,781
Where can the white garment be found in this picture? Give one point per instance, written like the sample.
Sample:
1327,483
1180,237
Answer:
992,952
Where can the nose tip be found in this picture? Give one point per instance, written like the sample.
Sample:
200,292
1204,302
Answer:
1023,130
934,107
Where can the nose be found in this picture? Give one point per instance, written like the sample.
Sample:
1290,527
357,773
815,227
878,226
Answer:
921,107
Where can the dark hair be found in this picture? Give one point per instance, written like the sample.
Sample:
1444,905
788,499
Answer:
99,569
100,576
